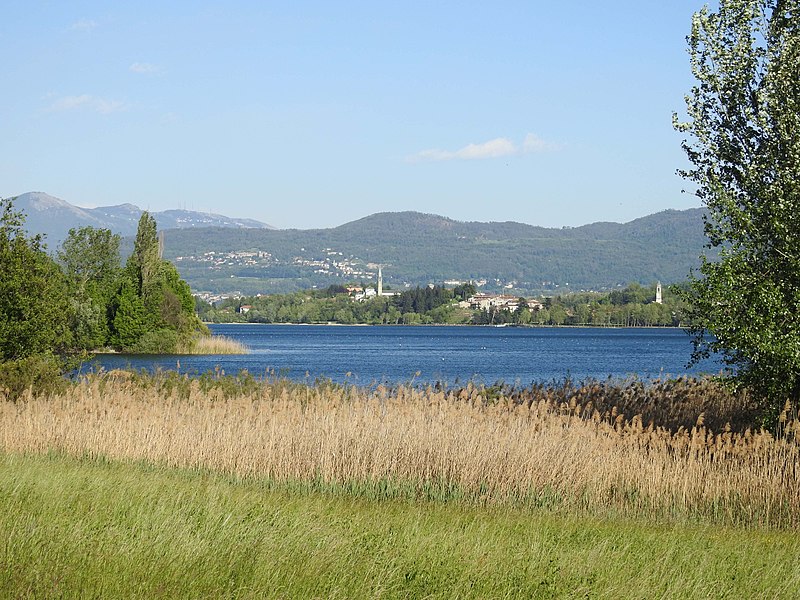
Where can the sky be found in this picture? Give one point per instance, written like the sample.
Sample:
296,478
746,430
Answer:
314,114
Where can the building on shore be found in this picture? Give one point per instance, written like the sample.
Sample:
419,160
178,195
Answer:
486,301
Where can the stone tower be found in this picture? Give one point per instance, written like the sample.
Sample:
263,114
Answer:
380,282
658,293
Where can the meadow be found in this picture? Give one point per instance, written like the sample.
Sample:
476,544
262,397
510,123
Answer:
326,490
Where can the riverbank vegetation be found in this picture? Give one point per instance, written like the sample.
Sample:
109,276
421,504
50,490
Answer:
742,139
632,306
144,307
216,344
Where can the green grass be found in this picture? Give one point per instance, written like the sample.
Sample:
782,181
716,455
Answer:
92,528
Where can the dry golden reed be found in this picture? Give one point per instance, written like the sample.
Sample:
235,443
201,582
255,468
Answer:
566,453
215,344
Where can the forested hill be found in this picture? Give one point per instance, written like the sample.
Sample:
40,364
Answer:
416,249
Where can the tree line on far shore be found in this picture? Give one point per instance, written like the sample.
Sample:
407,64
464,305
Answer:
632,306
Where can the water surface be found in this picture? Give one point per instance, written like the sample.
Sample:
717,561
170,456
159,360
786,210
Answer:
367,355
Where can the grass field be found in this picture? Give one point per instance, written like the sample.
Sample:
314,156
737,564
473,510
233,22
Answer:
91,528
168,486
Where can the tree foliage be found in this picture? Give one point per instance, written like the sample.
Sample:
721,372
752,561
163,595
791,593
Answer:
33,306
85,300
129,322
53,312
153,310
743,143
90,260
144,266
632,306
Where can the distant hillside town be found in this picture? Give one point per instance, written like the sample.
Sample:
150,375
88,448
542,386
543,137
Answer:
223,257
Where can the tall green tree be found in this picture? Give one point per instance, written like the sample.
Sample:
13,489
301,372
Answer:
33,305
743,142
130,321
90,259
91,263
144,265
154,308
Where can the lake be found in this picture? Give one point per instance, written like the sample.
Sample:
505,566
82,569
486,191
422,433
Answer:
367,355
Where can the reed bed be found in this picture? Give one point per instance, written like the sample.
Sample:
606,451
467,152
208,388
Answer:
215,344
557,447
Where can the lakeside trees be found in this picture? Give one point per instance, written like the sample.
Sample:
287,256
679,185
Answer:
33,292
90,260
153,311
632,306
144,307
744,144
83,299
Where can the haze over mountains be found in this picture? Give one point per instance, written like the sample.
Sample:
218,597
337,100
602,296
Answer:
54,217
224,255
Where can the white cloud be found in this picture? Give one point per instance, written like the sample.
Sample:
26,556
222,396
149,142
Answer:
496,148
491,149
144,68
83,25
89,102
431,155
533,143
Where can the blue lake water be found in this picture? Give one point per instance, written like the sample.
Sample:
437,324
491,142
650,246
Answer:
366,355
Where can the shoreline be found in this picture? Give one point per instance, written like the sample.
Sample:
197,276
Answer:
504,326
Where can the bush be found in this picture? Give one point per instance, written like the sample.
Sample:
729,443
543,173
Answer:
41,374
160,341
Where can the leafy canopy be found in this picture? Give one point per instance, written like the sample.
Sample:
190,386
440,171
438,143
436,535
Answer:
90,260
154,308
743,143
33,306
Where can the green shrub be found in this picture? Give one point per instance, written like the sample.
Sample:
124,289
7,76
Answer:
160,341
41,374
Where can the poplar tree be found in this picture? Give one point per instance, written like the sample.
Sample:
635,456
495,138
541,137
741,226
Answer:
154,308
743,142
144,265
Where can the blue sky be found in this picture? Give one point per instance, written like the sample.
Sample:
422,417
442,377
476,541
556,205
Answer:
313,114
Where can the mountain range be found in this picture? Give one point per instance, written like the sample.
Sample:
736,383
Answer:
54,217
221,255
420,249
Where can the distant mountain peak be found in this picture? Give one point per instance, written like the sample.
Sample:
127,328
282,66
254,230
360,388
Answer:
41,201
54,217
